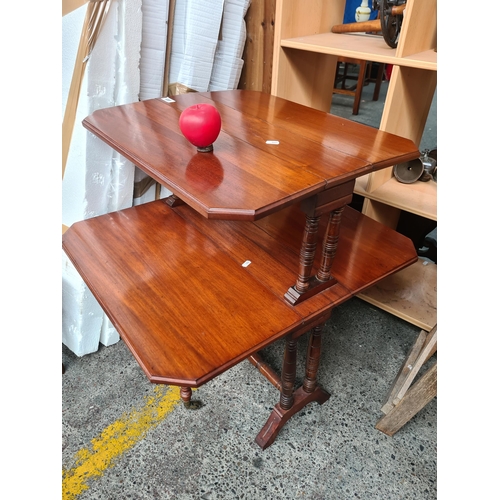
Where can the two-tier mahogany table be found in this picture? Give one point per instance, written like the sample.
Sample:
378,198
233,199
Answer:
256,243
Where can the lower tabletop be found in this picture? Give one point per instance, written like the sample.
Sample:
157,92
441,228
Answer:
192,297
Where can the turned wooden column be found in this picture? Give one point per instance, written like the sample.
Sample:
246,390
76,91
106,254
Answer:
293,401
331,202
330,245
307,253
186,394
312,361
288,373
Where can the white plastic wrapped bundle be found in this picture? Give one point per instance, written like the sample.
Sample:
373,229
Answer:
228,63
153,47
152,68
194,41
97,180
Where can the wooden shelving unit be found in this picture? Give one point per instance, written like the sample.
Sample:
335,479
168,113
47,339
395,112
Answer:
419,198
304,60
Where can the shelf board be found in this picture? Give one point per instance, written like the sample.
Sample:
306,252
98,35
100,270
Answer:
428,58
419,198
360,46
410,294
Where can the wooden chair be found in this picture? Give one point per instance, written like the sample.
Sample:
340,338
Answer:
406,400
362,79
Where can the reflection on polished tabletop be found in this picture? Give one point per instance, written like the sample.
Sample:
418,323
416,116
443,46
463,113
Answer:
203,280
245,178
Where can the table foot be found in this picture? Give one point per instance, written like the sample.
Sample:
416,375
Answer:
174,201
315,286
279,417
186,393
193,405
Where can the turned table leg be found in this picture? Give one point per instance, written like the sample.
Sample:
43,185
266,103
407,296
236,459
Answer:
186,394
330,245
307,253
288,373
307,285
312,361
293,401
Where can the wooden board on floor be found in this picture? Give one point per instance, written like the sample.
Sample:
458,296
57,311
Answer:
410,294
422,392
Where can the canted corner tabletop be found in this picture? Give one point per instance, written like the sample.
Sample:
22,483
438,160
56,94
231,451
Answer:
202,280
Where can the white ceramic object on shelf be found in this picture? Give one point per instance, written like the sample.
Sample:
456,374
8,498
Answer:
363,12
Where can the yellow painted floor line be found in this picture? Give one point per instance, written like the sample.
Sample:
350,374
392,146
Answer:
116,439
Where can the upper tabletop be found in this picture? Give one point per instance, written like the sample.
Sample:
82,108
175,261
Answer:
245,178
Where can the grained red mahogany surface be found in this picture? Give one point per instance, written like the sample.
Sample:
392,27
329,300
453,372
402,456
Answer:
251,179
180,298
170,275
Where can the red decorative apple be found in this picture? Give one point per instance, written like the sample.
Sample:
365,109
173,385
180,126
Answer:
200,124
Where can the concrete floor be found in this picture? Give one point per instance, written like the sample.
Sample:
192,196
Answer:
330,451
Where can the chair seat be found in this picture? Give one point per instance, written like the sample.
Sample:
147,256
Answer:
362,78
